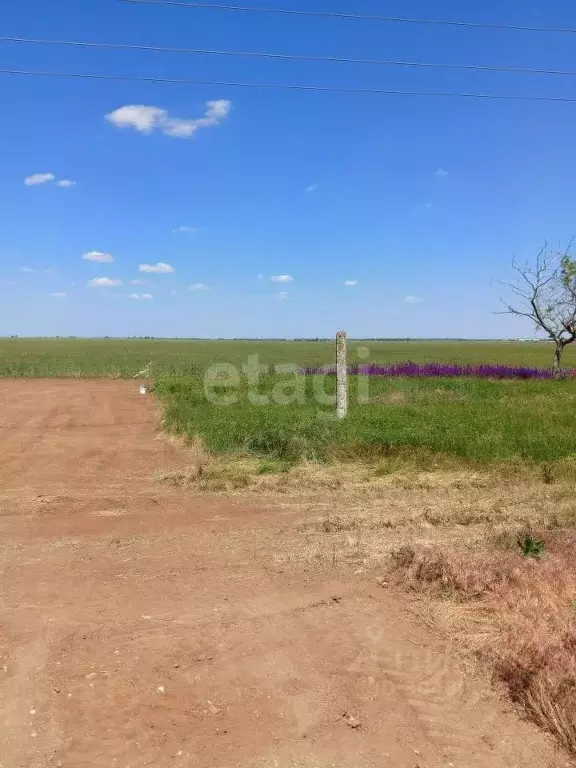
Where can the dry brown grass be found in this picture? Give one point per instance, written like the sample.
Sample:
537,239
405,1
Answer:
209,476
452,529
367,509
411,471
516,612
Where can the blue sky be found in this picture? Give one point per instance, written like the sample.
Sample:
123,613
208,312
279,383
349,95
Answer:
409,197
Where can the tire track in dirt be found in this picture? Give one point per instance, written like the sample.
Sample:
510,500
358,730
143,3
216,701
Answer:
149,634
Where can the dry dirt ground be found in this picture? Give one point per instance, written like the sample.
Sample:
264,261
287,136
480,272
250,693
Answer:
144,626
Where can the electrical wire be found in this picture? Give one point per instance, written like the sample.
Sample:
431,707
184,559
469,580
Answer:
287,56
286,86
350,16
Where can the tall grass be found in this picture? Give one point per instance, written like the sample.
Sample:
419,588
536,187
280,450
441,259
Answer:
518,613
469,418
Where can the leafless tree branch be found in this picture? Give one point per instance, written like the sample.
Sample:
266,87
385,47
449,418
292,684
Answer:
546,294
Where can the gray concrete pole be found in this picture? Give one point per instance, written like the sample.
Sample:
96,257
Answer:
341,375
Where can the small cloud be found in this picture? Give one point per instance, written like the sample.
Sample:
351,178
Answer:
138,281
173,292
3,281
99,257
428,205
441,172
283,295
198,287
413,300
311,188
65,183
140,296
147,119
160,268
58,295
27,269
38,178
104,282
140,117
350,283
261,277
281,278
184,228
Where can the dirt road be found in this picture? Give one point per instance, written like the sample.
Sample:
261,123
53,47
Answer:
143,627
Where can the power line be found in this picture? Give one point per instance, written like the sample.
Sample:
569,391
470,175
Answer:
351,16
286,86
287,56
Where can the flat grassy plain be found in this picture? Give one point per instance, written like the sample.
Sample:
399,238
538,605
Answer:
473,419
468,418
122,358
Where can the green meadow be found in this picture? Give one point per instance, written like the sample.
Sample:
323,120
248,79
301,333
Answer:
473,419
120,358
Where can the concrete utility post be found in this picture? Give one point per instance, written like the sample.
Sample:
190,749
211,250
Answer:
341,375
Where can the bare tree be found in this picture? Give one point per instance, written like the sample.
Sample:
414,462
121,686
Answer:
546,294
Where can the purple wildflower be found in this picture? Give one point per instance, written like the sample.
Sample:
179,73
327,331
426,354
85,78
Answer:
436,370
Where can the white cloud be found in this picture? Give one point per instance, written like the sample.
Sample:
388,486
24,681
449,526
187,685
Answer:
428,205
173,292
441,172
147,119
142,118
311,188
160,268
283,295
216,111
184,228
104,282
413,300
38,178
27,269
58,295
140,296
198,287
350,283
140,282
99,257
45,178
281,278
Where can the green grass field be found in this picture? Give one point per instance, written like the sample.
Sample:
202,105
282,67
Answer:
472,419
468,418
124,357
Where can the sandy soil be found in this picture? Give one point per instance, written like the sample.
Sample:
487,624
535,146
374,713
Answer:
143,626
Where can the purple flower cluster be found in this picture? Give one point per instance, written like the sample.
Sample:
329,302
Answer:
435,370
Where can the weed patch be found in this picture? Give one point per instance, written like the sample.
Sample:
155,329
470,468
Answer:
519,616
